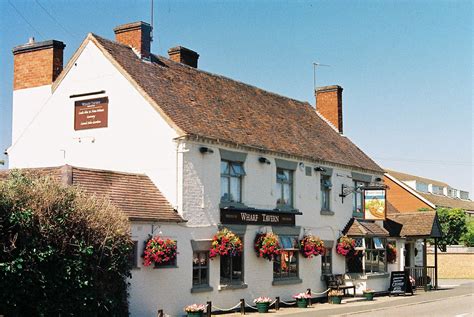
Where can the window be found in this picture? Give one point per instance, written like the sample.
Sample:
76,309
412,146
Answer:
284,187
326,262
133,255
232,270
325,192
375,255
438,190
285,265
358,194
200,268
422,187
231,181
464,195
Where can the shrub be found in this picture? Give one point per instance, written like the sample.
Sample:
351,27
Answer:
63,251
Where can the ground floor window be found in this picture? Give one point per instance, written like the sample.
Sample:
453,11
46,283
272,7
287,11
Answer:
326,262
200,268
371,256
286,264
232,270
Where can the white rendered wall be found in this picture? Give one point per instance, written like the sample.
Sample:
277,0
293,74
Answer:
137,139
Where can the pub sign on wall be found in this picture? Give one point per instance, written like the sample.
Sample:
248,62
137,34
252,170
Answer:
91,113
374,203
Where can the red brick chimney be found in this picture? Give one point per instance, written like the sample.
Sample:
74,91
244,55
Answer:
184,55
37,63
136,35
329,104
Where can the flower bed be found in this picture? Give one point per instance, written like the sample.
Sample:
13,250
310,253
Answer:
267,246
225,242
159,251
311,246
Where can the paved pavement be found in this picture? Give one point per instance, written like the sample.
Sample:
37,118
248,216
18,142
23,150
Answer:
454,298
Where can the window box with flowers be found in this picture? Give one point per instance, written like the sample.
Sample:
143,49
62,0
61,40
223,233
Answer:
267,246
311,246
160,252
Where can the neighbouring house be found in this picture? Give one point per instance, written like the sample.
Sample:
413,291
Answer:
412,202
184,152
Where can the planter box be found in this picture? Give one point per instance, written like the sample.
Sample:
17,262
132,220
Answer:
302,303
263,307
336,299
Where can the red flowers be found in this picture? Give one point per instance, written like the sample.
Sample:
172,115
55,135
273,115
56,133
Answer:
311,246
225,242
391,253
345,246
267,246
159,251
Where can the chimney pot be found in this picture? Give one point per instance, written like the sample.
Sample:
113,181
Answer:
329,104
31,40
184,55
136,35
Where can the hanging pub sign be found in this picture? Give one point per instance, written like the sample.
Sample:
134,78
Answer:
91,113
374,203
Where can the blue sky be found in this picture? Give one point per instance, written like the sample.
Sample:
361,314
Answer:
405,66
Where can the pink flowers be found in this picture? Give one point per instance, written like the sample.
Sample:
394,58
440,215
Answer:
194,308
311,246
159,251
262,300
301,296
345,245
267,246
225,242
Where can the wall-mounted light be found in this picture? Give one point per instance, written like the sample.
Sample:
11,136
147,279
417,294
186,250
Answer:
319,169
301,166
378,179
263,160
205,149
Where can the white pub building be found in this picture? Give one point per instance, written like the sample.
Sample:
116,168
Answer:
184,153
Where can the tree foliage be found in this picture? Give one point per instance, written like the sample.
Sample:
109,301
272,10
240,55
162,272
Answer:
62,252
468,237
453,226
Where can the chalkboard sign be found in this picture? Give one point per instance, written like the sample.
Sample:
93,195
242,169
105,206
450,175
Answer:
400,283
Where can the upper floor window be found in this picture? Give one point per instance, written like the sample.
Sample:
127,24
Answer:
284,187
422,187
437,190
464,195
231,181
358,194
325,192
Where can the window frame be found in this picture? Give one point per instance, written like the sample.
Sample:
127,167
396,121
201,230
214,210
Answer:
325,192
199,269
133,256
326,258
229,176
240,281
290,182
278,274
372,249
358,195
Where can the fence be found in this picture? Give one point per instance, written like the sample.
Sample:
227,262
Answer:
417,273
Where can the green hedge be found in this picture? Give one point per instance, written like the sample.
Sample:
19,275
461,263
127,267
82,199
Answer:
63,252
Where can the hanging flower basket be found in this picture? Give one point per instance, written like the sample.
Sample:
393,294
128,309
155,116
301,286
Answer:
391,253
311,246
159,251
225,242
346,246
267,245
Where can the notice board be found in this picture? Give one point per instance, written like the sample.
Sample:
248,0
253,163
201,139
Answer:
91,113
400,283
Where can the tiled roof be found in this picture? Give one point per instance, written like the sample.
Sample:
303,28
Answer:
209,106
404,177
414,224
448,202
134,194
356,228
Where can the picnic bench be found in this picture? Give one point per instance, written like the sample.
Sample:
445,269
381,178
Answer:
337,282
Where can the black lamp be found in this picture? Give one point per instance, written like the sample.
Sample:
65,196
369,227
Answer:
319,169
263,160
204,150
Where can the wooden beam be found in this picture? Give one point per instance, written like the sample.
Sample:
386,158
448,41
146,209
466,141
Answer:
425,273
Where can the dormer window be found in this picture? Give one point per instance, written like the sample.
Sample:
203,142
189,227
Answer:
421,187
438,190
231,181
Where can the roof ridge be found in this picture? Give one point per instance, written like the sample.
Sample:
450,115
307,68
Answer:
105,171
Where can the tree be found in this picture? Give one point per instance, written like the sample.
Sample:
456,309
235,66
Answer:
468,237
453,226
62,251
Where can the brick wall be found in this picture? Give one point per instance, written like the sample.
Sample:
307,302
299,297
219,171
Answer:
454,265
36,68
402,199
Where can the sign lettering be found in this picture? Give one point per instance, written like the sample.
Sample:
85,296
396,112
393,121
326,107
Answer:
91,114
230,216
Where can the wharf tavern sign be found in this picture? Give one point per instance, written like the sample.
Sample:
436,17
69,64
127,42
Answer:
257,217
91,113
